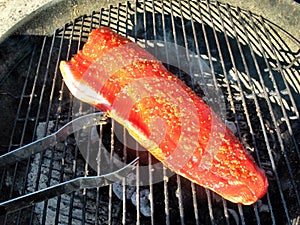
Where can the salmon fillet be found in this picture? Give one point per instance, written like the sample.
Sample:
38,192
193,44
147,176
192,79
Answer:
163,114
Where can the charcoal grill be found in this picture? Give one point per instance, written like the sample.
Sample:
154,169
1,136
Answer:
254,62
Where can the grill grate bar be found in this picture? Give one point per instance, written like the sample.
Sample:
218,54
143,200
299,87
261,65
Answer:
195,204
257,213
138,174
86,27
47,120
179,189
165,180
194,197
137,153
138,213
71,34
124,208
226,212
110,186
241,214
180,201
210,207
166,197
151,193
98,203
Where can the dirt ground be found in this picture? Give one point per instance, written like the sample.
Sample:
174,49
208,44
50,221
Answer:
12,11
286,11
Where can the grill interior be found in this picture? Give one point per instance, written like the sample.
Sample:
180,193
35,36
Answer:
250,60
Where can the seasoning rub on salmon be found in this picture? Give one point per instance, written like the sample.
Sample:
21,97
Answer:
163,115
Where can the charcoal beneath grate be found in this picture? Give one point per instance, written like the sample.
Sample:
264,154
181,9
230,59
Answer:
144,201
131,194
55,166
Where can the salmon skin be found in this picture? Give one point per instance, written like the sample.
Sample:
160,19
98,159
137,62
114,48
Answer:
163,114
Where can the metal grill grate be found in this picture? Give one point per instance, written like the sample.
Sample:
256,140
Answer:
253,62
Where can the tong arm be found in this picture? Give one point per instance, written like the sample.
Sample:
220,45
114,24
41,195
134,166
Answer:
37,146
65,188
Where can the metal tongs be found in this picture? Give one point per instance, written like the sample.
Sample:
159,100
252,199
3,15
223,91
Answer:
67,186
